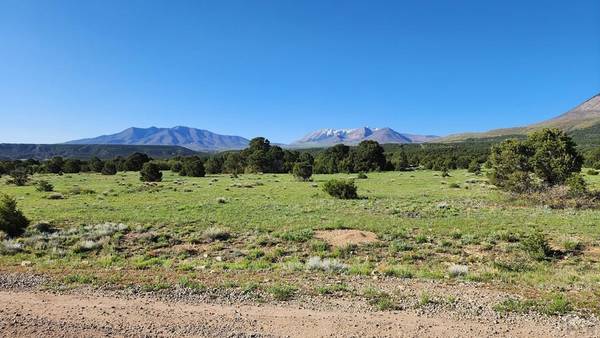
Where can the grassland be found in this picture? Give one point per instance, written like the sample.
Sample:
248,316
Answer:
257,232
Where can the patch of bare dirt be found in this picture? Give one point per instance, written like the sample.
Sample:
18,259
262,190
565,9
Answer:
35,314
340,238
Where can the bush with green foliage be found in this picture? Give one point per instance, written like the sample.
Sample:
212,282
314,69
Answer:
176,166
549,154
362,176
343,189
72,166
233,163
110,168
44,186
214,165
400,161
302,171
96,164
592,172
12,220
193,168
474,167
135,161
332,160
55,165
555,156
19,177
537,246
150,173
369,157
577,185
510,167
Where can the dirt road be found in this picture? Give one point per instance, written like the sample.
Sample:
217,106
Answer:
34,313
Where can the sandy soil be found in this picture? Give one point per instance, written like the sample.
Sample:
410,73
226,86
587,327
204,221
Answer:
30,313
341,238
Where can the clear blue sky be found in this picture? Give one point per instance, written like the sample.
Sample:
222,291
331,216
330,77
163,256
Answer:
73,69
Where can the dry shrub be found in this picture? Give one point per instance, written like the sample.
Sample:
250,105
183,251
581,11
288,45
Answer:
561,197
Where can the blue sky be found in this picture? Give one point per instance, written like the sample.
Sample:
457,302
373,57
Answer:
74,69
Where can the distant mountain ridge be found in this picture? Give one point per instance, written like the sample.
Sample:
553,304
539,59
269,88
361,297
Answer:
583,116
191,138
329,137
14,151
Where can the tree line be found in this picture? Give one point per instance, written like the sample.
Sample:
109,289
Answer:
262,156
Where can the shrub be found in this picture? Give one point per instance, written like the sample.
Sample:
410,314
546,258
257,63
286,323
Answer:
44,227
474,167
193,168
86,245
577,185
510,166
557,305
298,235
150,173
592,172
214,165
380,299
398,271
77,190
110,168
329,265
555,157
454,185
343,189
176,167
72,166
12,220
572,245
550,154
56,196
135,161
44,186
537,246
362,176
10,247
282,291
216,234
55,165
19,177
458,270
96,164
302,171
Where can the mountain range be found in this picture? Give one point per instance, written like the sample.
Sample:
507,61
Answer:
329,137
583,120
191,138
204,140
581,117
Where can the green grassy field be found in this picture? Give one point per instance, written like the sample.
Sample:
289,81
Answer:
200,230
